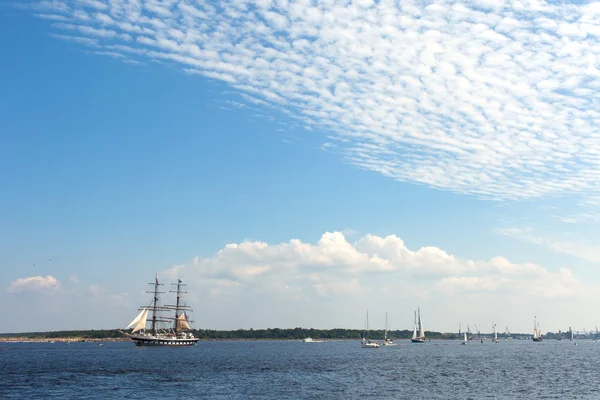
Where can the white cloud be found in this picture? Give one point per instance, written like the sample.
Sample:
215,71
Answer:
494,99
331,282
334,267
38,284
578,249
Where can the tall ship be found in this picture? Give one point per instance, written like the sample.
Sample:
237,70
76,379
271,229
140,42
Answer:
169,324
418,333
537,333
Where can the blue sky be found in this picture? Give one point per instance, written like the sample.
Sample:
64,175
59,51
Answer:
135,146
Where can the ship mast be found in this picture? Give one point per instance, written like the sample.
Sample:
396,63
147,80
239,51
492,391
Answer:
155,307
178,303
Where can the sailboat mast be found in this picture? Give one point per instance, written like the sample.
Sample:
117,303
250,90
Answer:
178,303
155,301
386,326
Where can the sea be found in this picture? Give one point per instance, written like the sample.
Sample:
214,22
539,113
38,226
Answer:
514,369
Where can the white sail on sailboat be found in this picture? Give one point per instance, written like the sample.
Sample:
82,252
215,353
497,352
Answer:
465,340
507,333
537,333
495,333
367,343
418,333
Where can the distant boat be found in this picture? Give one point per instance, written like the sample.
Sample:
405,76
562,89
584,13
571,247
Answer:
507,333
495,333
367,343
465,340
386,340
311,340
537,334
175,329
470,335
418,333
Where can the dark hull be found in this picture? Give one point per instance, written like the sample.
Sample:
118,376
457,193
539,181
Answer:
164,342
418,340
537,339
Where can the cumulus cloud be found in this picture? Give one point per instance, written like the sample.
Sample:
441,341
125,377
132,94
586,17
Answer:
38,284
335,267
496,99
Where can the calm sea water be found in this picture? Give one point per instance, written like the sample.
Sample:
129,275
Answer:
296,370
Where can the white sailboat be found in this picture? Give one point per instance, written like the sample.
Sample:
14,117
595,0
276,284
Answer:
418,333
367,343
537,333
470,335
495,333
507,333
465,340
386,340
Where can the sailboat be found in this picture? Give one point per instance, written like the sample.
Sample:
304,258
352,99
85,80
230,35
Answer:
367,343
386,340
465,340
537,334
164,330
507,333
574,344
418,333
495,333
470,335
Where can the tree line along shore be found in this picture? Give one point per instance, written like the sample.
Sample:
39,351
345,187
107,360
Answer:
239,334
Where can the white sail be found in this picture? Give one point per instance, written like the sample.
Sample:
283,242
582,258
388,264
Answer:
386,328
465,337
414,336
421,329
182,323
136,319
142,322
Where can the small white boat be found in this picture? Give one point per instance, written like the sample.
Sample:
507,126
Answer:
367,343
465,340
311,340
386,340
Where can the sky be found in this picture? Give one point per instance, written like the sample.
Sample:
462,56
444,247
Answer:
298,163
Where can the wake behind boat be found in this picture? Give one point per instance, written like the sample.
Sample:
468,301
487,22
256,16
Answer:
164,330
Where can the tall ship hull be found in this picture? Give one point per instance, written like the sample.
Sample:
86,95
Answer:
148,340
169,324
418,340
